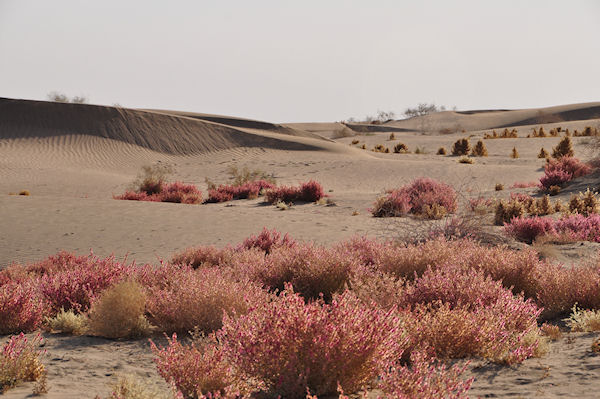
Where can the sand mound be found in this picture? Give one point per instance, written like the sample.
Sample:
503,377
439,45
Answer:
494,119
165,133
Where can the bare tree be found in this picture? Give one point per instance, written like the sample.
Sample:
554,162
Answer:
63,98
422,109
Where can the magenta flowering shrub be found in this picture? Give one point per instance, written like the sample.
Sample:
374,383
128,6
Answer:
425,378
292,346
76,287
203,256
310,191
574,227
557,172
414,198
53,263
251,189
181,299
520,184
21,307
267,241
311,270
177,192
20,361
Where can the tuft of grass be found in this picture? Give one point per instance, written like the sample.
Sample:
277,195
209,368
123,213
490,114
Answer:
466,159
499,187
583,320
514,153
441,151
543,154
24,192
551,331
119,312
401,148
354,142
130,387
67,322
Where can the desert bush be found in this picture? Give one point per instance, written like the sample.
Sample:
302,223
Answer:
466,159
563,149
152,178
312,271
54,263
20,362
434,211
119,312
528,229
420,150
508,210
424,379
354,142
381,148
246,190
400,148
551,331
392,137
441,151
480,150
557,172
180,299
584,320
67,322
584,203
514,153
179,192
461,147
75,288
202,256
414,197
22,308
524,184
310,191
499,187
239,177
130,387
197,369
24,192
293,346
267,241
543,154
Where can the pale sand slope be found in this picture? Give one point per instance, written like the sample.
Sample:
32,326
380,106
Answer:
74,157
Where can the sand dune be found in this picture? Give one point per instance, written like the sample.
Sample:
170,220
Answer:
159,132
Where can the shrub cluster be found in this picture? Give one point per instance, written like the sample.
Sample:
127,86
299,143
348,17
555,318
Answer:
557,172
461,147
572,228
479,150
506,134
251,190
424,196
401,148
310,191
177,192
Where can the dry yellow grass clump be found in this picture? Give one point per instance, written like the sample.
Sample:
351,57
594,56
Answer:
119,312
67,322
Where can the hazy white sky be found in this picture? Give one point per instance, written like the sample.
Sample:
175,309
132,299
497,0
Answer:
310,60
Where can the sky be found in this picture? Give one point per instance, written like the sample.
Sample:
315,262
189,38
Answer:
302,61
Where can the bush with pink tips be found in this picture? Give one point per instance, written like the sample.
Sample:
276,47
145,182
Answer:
267,241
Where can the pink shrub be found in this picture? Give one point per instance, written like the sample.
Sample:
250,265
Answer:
362,248
21,307
181,299
521,197
480,202
250,190
179,192
415,197
580,227
528,229
75,288
195,370
310,191
424,379
267,240
562,170
202,256
292,346
312,271
61,261
135,196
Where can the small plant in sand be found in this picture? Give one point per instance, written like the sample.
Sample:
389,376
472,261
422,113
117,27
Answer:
392,137
238,177
441,151
551,331
563,149
354,142
583,320
130,387
499,187
508,210
310,191
412,198
67,322
364,146
381,148
543,154
420,150
584,203
401,148
514,153
466,159
119,312
24,192
20,362
461,147
480,150
152,178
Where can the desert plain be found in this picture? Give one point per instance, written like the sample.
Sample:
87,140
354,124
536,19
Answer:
73,158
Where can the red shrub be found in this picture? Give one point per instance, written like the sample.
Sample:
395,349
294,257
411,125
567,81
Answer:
75,288
518,184
310,191
134,196
21,308
250,190
555,178
267,241
424,379
562,170
415,197
203,256
61,261
293,346
181,299
180,193
528,229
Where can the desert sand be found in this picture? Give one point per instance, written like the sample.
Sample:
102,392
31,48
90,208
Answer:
72,158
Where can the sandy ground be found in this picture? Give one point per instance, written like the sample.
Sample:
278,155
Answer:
72,174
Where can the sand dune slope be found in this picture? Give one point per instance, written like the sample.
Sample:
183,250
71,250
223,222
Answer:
170,134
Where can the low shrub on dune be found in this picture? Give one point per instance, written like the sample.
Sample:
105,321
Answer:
20,362
557,172
419,198
22,308
202,256
248,190
176,192
310,191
